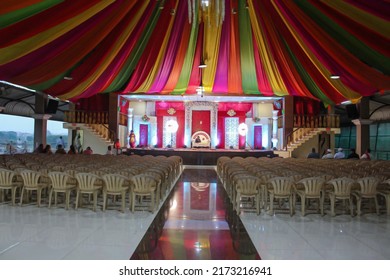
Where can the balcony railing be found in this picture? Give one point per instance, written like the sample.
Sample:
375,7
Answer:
86,117
319,121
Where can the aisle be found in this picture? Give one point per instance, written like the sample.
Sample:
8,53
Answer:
192,224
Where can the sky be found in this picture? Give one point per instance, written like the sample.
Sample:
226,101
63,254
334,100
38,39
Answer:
24,124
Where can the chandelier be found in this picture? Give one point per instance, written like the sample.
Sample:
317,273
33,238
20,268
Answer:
210,11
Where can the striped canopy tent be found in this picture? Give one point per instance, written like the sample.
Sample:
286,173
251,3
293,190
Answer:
77,49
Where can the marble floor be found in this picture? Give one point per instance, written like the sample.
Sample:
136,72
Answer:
29,232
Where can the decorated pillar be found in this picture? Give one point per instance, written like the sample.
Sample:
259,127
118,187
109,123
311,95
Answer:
275,128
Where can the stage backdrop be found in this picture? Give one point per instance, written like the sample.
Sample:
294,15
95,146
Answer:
200,121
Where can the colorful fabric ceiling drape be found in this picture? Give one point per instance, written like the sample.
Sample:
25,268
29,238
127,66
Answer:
262,48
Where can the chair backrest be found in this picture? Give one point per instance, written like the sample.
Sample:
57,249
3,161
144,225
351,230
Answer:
144,183
342,186
30,177
313,185
86,181
58,179
368,185
281,185
6,177
113,182
248,185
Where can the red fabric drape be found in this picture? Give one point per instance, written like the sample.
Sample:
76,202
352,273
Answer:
201,121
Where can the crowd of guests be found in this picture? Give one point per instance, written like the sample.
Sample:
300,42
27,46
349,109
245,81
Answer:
61,150
340,154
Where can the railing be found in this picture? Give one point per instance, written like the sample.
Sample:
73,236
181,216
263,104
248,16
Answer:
319,121
298,134
305,124
86,117
103,131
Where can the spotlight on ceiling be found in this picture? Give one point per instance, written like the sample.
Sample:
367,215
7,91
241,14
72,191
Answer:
202,64
335,77
68,78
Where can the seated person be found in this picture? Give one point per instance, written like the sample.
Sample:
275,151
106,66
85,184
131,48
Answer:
60,150
353,154
88,151
197,139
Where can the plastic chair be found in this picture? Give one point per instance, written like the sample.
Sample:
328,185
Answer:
385,192
248,187
31,183
367,190
86,184
7,183
113,185
341,191
143,185
281,187
60,184
313,189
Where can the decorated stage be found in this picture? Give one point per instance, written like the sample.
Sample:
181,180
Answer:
201,156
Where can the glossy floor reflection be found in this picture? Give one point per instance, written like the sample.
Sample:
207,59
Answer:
196,223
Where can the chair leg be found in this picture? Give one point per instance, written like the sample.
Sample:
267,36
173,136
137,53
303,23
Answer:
376,205
13,194
50,196
322,198
291,205
238,197
351,206
132,202
332,202
95,195
39,193
77,199
271,201
358,205
303,204
21,197
104,201
123,201
67,199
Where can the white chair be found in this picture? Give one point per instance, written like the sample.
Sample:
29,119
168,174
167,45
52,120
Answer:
113,185
7,183
313,189
281,188
248,187
31,183
341,191
367,190
60,183
385,192
86,185
143,186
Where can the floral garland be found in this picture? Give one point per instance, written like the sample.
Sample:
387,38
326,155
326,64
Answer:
145,118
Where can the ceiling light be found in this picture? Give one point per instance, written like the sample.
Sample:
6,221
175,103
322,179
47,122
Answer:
68,78
335,77
202,64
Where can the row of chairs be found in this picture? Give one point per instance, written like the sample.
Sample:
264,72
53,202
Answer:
138,180
256,183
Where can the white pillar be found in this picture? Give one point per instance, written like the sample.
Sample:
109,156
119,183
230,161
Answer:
274,128
129,124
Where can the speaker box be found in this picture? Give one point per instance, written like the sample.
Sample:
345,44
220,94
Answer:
352,111
52,106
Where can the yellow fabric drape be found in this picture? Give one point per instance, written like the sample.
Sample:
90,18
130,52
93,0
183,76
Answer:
156,67
336,84
212,36
370,21
31,44
117,46
273,73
